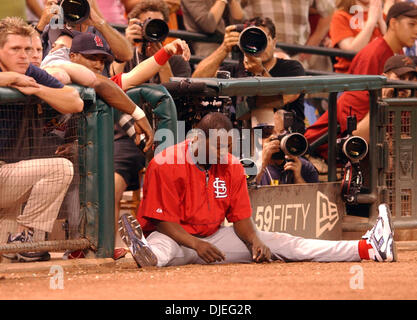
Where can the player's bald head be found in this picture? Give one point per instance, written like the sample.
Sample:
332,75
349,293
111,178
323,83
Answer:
214,120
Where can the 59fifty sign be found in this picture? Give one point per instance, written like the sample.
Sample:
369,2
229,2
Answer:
311,211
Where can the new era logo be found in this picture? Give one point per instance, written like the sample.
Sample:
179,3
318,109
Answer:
327,214
159,210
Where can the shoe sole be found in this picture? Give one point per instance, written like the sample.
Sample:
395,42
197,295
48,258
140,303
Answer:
131,234
391,225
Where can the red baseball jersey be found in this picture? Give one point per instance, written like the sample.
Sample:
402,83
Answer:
199,200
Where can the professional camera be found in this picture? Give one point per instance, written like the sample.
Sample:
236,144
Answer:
351,148
291,143
250,169
252,40
153,30
75,11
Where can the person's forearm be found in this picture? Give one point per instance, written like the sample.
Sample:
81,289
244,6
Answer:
113,95
216,12
7,78
120,46
236,10
361,40
208,67
141,73
65,100
34,7
320,32
246,231
177,233
79,74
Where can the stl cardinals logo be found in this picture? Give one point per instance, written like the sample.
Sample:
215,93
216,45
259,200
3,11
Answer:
98,41
220,188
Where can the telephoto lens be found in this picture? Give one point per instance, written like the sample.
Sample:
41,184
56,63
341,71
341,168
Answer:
250,169
253,41
155,30
75,11
294,144
355,148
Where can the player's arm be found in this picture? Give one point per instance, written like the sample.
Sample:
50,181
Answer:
78,73
115,97
148,68
64,100
205,250
246,232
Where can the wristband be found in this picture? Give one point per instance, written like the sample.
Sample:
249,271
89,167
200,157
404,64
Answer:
162,56
39,31
138,114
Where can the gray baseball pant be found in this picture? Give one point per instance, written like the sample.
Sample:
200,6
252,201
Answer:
283,246
41,183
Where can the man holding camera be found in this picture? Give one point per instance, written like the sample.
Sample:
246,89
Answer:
279,167
263,65
142,13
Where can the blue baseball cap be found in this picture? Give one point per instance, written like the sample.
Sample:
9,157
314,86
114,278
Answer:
89,43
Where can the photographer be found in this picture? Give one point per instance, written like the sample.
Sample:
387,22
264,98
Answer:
264,65
150,9
95,23
279,168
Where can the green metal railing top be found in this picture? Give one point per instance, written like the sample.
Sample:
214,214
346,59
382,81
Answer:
260,86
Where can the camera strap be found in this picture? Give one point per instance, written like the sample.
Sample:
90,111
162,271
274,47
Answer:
352,182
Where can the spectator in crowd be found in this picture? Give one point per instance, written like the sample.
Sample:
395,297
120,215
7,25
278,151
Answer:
121,48
354,25
266,65
401,32
41,183
278,168
114,11
188,198
399,67
210,17
37,50
291,18
150,9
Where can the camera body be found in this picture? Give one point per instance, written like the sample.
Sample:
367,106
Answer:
75,11
252,40
291,143
153,30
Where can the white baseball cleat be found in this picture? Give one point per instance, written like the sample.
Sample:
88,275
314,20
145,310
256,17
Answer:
381,237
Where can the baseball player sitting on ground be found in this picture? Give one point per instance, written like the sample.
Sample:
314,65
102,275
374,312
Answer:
186,198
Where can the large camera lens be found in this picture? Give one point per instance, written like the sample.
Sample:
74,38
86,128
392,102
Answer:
75,11
355,148
294,144
155,30
253,41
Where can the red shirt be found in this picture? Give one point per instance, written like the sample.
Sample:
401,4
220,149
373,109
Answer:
369,61
117,79
196,199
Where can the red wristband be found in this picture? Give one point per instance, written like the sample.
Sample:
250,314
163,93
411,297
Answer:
161,57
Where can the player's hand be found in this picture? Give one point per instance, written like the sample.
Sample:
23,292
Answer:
146,128
20,80
208,252
253,64
260,252
133,31
231,37
178,47
51,9
294,164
